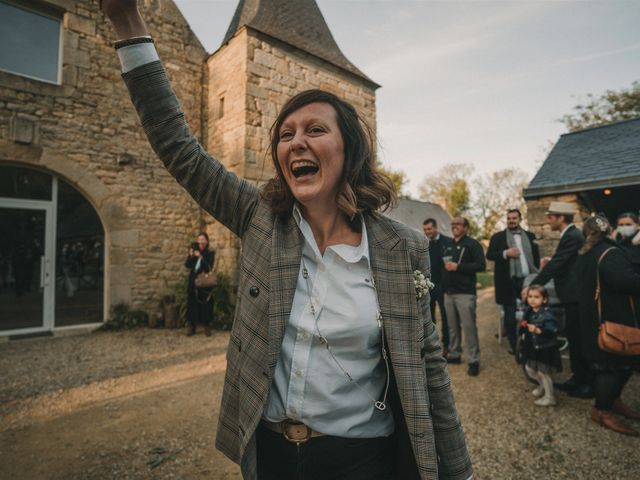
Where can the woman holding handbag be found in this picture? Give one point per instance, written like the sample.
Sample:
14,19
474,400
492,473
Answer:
607,286
199,301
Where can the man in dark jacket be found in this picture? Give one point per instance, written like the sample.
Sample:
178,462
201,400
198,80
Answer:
462,261
438,243
516,255
561,268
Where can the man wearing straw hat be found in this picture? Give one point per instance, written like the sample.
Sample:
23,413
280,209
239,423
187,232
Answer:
561,268
462,261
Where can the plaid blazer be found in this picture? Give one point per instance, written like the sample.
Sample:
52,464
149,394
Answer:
426,416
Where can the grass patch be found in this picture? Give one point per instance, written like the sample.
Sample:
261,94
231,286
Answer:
485,279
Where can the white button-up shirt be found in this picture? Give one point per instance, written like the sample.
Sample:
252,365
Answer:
308,385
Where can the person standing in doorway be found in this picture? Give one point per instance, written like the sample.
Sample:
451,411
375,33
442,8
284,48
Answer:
438,244
516,255
561,268
462,261
199,303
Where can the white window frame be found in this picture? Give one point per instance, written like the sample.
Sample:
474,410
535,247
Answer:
43,12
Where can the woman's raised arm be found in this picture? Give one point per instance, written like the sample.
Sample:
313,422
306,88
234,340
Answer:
125,18
229,199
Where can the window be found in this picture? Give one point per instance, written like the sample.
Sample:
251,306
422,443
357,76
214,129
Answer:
17,182
30,42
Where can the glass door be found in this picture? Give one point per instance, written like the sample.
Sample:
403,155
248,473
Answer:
25,266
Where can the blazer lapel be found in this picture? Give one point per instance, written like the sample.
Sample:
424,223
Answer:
392,272
286,252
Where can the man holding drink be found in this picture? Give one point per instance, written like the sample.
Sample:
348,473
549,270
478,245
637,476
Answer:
462,261
516,255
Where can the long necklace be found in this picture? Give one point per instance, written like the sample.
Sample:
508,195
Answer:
379,404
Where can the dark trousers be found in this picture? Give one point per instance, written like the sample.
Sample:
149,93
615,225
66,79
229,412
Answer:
579,367
608,386
323,458
509,322
197,311
438,297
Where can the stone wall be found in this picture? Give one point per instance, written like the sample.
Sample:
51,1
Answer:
256,74
537,219
86,131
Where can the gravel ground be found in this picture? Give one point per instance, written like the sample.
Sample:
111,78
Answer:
143,405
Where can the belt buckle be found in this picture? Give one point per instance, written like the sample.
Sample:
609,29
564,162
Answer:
293,432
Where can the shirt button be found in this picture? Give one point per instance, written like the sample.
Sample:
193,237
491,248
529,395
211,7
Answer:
298,373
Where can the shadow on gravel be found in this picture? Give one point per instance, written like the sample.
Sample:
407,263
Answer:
38,366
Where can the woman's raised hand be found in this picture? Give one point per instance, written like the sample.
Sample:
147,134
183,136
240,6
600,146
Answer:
125,17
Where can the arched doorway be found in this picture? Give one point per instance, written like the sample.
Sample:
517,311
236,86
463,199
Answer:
51,254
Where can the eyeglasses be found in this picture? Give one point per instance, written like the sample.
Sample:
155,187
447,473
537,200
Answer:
453,224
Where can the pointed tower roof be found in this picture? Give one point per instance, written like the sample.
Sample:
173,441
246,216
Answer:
298,23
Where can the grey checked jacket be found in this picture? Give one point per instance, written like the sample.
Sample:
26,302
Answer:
426,416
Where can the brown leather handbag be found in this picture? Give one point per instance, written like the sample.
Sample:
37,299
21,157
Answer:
616,338
206,280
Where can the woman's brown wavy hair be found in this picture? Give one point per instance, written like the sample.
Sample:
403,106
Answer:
594,229
364,188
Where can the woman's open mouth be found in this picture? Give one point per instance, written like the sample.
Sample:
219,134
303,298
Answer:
301,168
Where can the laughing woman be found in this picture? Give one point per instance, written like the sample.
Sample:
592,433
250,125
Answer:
334,366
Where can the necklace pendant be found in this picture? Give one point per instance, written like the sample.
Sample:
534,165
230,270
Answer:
380,405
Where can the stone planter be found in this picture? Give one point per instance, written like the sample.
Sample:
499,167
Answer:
171,315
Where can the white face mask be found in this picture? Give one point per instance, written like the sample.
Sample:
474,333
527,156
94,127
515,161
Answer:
627,230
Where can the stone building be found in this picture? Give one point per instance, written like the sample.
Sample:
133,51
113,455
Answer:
272,50
88,216
597,170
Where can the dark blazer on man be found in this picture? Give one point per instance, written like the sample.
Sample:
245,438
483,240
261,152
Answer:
269,267
436,252
502,276
561,267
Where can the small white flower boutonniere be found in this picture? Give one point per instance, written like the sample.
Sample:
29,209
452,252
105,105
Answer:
422,284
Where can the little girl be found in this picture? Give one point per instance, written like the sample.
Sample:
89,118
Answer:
540,345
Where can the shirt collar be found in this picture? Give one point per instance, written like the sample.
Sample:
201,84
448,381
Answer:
565,229
349,253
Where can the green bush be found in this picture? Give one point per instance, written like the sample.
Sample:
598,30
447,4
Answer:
485,279
223,304
181,297
123,318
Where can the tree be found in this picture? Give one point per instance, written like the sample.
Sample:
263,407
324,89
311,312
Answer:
495,193
482,199
398,177
612,106
449,188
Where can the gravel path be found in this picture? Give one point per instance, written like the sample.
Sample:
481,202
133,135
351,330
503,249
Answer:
144,405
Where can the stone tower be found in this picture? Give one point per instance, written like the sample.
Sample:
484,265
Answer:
272,50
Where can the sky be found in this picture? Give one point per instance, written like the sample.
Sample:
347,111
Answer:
478,82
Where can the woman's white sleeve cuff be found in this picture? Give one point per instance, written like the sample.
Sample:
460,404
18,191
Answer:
133,56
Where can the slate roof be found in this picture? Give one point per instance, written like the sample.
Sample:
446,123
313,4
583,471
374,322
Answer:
414,212
298,23
606,156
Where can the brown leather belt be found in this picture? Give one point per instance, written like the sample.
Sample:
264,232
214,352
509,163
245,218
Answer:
294,432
